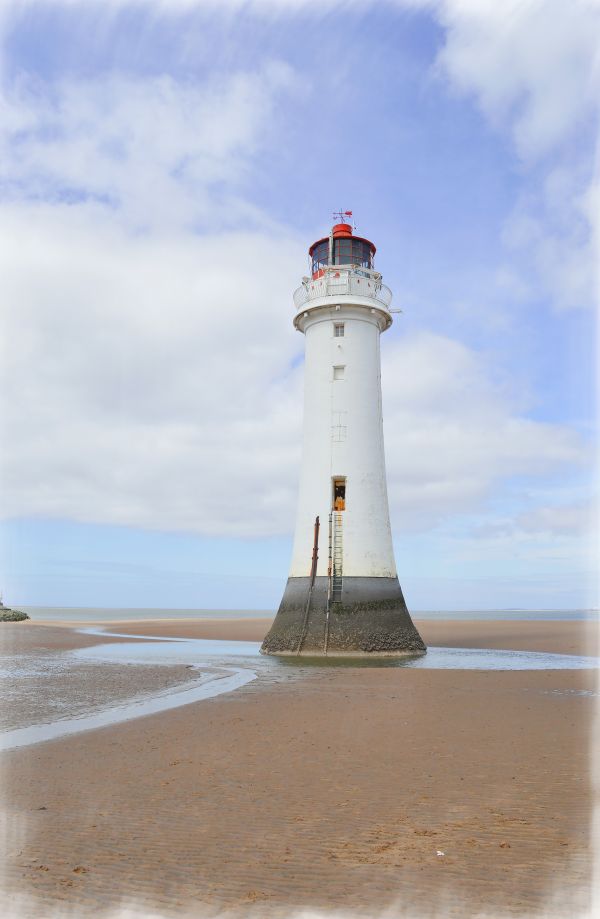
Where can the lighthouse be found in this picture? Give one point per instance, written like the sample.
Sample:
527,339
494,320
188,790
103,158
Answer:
342,596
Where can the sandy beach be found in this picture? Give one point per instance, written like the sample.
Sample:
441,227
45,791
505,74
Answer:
357,789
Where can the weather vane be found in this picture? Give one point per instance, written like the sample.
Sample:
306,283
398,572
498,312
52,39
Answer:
342,215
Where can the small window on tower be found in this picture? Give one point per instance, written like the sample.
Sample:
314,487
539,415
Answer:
338,329
338,373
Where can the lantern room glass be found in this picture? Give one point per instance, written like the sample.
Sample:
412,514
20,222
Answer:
347,250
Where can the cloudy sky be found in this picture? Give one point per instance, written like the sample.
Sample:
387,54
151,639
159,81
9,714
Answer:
164,167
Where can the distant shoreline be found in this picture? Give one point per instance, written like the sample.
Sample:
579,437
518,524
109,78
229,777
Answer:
126,614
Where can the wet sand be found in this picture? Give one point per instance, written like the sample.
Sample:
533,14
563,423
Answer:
330,788
56,685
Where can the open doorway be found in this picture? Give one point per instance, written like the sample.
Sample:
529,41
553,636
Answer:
339,493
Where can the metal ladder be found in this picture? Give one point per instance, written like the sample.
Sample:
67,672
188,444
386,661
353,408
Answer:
338,557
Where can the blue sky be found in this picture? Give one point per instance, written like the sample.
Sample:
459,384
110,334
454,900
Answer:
164,169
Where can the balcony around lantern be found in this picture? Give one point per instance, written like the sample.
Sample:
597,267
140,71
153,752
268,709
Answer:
338,280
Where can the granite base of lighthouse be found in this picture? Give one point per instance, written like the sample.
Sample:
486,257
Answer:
371,620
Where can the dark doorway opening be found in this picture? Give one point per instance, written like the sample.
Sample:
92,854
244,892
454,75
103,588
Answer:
339,494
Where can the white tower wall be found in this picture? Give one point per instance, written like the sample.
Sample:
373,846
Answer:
343,437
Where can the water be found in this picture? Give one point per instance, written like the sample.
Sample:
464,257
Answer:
194,650
157,650
106,614
224,666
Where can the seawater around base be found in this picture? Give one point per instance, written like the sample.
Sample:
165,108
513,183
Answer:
194,650
224,666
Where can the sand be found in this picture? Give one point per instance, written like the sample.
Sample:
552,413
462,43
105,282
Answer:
330,788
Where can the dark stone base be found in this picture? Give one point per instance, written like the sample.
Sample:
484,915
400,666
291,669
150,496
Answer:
370,620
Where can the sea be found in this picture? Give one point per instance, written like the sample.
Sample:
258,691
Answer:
114,614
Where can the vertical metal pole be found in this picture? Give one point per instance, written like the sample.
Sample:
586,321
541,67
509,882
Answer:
315,555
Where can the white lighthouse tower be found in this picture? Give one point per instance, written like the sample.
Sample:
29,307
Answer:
343,596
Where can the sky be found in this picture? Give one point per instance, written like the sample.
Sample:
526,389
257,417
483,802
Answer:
164,167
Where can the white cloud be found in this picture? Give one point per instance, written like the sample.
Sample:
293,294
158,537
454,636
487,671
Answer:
154,149
148,365
533,66
554,240
452,434
149,377
555,521
563,519
152,360
150,385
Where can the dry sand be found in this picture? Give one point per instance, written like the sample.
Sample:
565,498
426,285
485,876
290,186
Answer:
330,788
